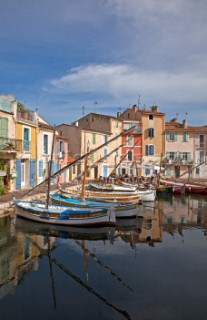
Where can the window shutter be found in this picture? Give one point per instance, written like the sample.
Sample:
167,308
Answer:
147,150
168,171
176,136
167,136
40,168
168,155
151,150
3,127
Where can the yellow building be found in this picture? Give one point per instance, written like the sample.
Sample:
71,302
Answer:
26,132
153,140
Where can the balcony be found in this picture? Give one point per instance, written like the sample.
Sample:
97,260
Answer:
7,144
27,116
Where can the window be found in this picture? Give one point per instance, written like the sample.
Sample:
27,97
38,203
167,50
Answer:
197,171
150,132
130,141
147,172
130,155
171,136
151,116
26,139
201,138
185,136
185,156
150,150
45,144
105,152
171,156
201,156
74,171
105,138
117,153
61,151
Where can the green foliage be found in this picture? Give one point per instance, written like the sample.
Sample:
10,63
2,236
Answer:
2,189
20,107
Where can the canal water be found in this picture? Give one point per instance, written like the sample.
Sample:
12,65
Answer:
153,267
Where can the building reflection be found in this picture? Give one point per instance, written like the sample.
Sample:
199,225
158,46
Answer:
21,248
19,254
172,215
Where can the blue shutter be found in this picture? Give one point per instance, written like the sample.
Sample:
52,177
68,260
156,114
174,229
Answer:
151,150
105,171
147,171
40,168
32,172
147,150
18,169
55,169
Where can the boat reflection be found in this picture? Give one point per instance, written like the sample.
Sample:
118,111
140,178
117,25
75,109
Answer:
23,243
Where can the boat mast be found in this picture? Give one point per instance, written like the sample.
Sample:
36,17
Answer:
84,175
50,169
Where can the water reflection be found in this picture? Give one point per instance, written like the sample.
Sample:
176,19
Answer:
23,244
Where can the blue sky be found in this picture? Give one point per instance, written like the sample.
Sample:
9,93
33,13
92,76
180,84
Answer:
62,55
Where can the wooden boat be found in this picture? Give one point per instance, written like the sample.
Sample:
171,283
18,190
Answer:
164,190
98,195
63,215
111,187
121,210
196,188
147,194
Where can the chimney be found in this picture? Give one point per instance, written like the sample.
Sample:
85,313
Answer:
118,114
185,124
135,108
155,108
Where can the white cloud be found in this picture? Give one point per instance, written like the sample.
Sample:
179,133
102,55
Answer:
123,81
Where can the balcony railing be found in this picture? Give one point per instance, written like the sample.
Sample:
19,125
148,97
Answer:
10,144
28,116
26,145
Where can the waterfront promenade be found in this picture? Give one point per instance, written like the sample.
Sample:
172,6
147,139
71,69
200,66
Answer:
6,200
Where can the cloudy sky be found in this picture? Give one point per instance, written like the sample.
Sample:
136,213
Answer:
68,58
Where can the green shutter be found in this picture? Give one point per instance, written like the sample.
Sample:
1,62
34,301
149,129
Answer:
3,127
94,138
185,136
167,136
168,171
188,156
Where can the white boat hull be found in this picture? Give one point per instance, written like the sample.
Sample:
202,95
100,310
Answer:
55,215
147,195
